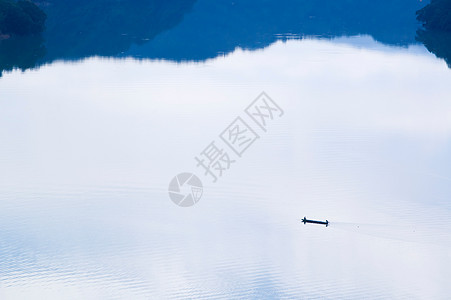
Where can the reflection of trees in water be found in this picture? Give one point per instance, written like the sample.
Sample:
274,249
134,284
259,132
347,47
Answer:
221,26
77,29
88,28
84,28
437,42
21,52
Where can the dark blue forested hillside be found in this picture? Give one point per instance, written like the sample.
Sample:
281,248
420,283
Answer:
196,30
79,29
220,26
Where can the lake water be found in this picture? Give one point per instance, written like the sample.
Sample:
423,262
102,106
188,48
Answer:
89,144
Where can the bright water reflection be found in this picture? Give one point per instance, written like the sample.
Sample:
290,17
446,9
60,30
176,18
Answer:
88,149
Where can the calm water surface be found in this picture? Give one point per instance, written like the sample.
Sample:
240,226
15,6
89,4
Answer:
88,148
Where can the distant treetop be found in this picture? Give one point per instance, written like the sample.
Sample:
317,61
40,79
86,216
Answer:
436,15
21,17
